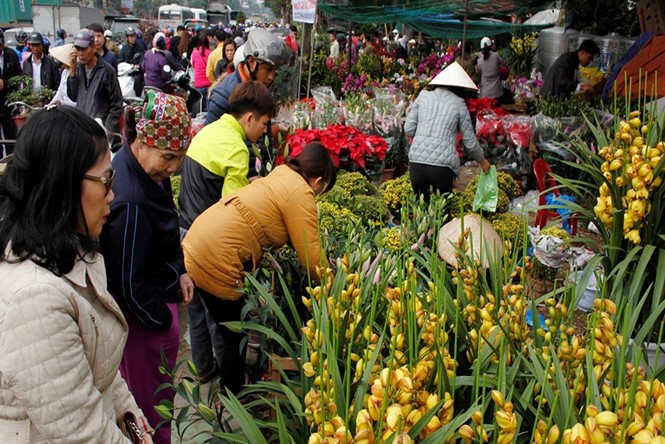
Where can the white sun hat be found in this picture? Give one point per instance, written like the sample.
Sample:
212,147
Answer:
62,53
454,75
483,240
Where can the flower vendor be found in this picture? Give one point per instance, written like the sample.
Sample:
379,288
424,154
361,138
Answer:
561,77
434,120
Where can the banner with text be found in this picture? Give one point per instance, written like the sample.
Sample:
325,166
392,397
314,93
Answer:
304,10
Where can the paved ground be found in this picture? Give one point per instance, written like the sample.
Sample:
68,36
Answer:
190,435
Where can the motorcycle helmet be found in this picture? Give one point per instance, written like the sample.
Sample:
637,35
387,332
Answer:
198,28
130,31
21,37
265,47
139,34
486,42
108,34
61,33
35,39
159,40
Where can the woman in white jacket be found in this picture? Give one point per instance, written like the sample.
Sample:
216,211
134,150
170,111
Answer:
61,333
434,120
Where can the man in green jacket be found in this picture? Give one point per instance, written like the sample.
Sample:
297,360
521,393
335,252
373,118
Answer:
217,161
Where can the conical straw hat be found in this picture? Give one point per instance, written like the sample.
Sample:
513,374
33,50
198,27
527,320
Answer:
454,75
62,53
482,238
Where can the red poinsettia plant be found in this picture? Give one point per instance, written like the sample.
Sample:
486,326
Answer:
340,140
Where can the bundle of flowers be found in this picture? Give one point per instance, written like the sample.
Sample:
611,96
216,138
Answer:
521,55
525,89
354,84
484,103
632,170
396,193
340,140
433,64
355,193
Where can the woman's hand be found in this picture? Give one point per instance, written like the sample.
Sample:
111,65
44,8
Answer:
147,438
485,165
186,288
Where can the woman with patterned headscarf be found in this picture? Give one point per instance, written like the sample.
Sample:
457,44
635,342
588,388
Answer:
141,246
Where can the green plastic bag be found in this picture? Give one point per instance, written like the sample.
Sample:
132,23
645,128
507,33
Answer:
487,193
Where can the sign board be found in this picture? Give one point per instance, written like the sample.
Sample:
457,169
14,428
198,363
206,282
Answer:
651,15
304,10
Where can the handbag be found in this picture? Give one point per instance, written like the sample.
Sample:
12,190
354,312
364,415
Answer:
130,428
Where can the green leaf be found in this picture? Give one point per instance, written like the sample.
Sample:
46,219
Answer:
245,420
164,411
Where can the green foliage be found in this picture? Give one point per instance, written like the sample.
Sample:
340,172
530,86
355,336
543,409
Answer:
603,17
569,107
357,196
370,64
21,91
329,72
284,85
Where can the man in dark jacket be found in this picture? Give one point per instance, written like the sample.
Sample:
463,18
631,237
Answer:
9,67
93,83
43,69
561,80
132,52
100,45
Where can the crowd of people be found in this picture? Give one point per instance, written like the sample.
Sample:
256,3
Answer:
96,257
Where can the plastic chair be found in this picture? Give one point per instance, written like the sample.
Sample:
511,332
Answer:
546,184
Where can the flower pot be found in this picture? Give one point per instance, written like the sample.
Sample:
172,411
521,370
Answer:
589,295
387,174
650,350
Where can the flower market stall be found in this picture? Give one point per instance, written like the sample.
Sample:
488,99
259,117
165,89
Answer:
451,320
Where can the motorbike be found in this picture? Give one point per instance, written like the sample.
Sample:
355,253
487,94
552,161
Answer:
181,85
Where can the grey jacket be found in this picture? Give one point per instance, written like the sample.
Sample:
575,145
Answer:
434,120
97,96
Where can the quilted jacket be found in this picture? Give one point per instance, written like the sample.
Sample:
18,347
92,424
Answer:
434,120
61,341
228,238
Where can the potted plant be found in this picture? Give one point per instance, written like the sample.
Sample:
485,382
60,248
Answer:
26,97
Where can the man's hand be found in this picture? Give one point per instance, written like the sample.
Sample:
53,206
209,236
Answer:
72,64
485,165
186,288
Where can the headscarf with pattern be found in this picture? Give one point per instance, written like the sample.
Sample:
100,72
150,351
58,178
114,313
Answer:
163,122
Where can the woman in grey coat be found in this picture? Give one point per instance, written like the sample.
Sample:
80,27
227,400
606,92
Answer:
434,120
